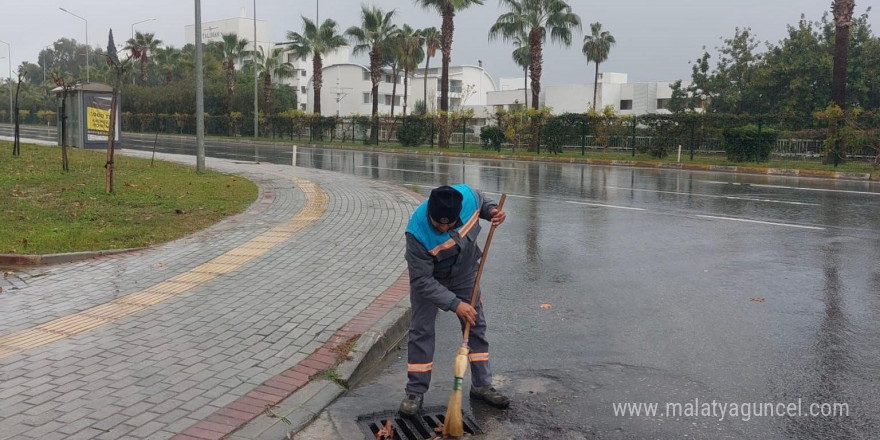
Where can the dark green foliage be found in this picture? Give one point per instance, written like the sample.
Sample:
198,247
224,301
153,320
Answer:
413,131
491,137
751,143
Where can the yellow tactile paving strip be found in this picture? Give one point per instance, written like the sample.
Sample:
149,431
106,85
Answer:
77,323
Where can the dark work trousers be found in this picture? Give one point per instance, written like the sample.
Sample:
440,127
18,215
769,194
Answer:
420,360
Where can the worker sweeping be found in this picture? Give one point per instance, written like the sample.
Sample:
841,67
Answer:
443,259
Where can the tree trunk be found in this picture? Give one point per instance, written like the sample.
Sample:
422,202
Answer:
537,58
144,70
230,82
843,11
595,85
405,89
267,92
64,163
111,133
375,63
16,140
317,81
427,60
393,91
447,28
526,86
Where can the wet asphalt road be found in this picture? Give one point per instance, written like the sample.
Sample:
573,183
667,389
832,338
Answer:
663,287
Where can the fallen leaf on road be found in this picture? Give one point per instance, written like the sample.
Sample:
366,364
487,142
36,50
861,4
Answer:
8,274
387,431
757,299
546,306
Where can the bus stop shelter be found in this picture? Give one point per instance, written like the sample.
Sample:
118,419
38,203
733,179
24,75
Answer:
88,115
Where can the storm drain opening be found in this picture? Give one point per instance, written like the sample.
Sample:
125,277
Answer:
389,425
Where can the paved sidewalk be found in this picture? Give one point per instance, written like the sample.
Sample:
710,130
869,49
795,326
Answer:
197,338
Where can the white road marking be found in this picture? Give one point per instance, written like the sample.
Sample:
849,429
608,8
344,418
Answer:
751,199
761,185
605,206
761,222
401,169
510,195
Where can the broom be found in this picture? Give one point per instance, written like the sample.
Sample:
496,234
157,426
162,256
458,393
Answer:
452,425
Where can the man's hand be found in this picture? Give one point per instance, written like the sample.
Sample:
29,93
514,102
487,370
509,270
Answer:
466,313
498,216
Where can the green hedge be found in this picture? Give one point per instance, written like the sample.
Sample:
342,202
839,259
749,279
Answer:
750,143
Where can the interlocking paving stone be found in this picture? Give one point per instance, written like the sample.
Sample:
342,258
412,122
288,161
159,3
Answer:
178,360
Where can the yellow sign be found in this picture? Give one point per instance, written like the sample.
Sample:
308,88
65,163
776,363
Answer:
98,120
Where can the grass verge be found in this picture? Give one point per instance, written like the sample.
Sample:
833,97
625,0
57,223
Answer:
44,210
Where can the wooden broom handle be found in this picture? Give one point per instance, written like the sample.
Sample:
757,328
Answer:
467,327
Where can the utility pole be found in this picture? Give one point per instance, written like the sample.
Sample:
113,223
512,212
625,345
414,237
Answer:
200,94
256,105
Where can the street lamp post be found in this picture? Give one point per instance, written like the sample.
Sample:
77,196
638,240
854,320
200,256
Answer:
9,60
89,48
139,22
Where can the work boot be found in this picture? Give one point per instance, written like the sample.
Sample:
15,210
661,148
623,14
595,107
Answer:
491,396
411,405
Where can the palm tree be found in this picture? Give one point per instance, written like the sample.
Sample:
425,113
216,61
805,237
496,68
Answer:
373,35
521,58
148,46
410,54
316,42
269,66
447,10
432,43
232,49
536,18
596,48
169,62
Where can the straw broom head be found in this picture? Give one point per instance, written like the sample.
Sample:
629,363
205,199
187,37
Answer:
453,425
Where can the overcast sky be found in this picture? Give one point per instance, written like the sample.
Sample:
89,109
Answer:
655,39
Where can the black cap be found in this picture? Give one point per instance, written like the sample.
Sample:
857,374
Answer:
444,205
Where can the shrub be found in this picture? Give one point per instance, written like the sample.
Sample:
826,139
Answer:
491,137
413,131
749,143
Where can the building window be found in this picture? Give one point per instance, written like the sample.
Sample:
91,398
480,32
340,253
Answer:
302,72
366,75
290,58
388,100
662,103
389,78
302,89
302,106
626,104
367,98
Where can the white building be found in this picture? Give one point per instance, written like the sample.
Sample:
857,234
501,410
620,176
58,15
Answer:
613,90
301,80
347,90
468,86
242,26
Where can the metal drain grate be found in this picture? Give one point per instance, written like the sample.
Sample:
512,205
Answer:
421,428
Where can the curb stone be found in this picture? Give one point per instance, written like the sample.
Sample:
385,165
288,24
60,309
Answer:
299,409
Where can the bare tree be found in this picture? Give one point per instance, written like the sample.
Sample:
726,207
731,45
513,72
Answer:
66,85
120,67
16,143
